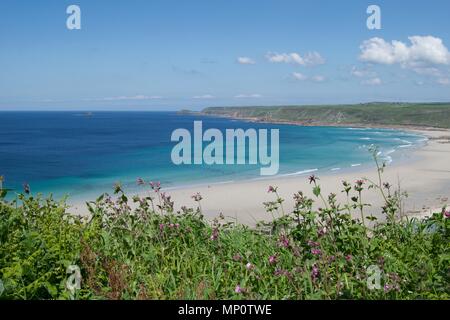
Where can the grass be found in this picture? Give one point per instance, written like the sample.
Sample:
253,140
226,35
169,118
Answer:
140,248
371,114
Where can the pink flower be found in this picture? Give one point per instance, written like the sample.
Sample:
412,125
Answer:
161,227
197,197
322,232
447,214
312,179
284,241
272,259
156,186
238,289
249,266
26,188
316,252
359,185
313,244
237,257
348,257
281,272
315,273
272,189
215,234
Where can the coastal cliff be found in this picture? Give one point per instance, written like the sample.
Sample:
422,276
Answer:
432,115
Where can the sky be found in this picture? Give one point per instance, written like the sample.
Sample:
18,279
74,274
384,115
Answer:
171,55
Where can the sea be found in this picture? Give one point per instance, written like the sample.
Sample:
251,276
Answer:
82,154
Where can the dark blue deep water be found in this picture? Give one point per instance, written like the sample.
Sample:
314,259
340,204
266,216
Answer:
78,153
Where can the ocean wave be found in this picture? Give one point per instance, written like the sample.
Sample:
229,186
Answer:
335,169
356,164
299,172
389,152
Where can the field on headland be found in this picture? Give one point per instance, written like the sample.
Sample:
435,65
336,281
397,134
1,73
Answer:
435,115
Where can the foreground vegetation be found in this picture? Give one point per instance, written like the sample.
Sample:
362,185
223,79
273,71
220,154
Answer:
371,114
140,248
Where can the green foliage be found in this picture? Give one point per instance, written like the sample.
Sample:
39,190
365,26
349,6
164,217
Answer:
141,249
39,239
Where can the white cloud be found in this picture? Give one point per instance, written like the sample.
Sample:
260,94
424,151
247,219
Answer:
443,81
362,72
422,50
245,60
428,71
299,76
205,96
247,96
372,82
309,59
318,78
137,97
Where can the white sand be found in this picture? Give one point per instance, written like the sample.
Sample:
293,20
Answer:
426,179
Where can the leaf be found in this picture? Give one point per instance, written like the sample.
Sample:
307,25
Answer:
316,191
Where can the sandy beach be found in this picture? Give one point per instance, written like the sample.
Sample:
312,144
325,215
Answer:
425,177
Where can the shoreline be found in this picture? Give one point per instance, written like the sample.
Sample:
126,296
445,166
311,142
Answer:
416,128
425,176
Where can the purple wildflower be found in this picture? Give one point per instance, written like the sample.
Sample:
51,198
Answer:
315,272
26,188
312,179
238,289
313,244
284,241
215,234
281,272
273,260
156,186
322,232
316,252
359,185
237,257
197,197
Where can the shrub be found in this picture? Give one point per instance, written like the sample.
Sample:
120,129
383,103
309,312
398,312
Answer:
140,248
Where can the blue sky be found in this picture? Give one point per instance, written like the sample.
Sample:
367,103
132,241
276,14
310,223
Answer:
168,55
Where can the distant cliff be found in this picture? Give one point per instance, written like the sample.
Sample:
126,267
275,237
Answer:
435,115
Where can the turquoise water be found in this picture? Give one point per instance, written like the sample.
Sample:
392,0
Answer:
79,154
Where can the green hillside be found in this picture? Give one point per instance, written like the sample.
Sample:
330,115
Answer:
387,114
